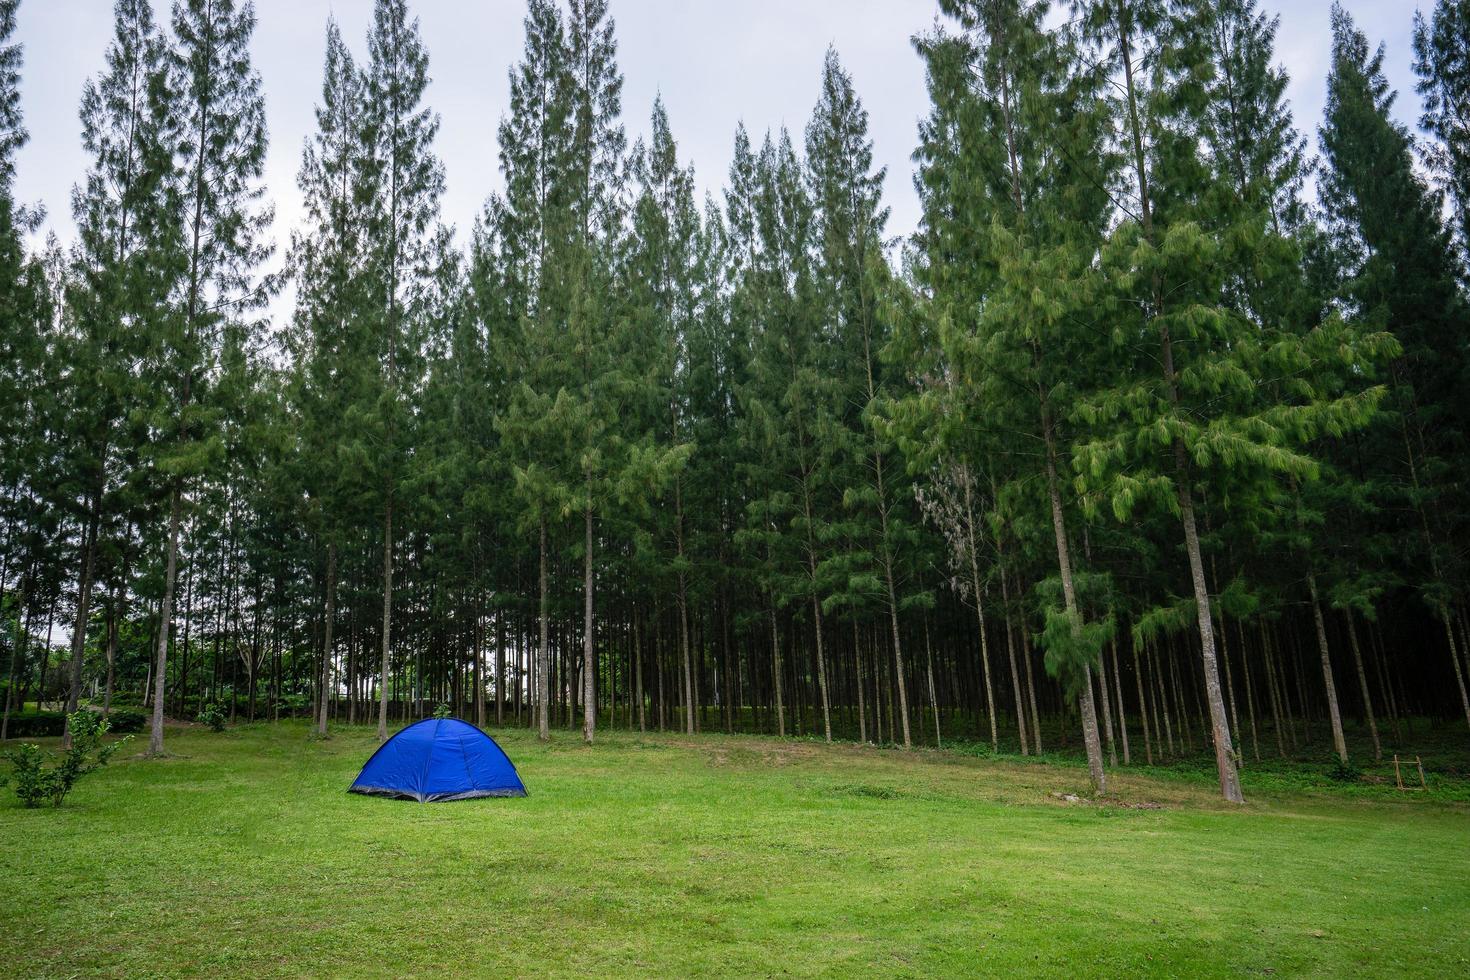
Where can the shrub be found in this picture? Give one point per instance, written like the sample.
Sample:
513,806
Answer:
37,783
443,712
124,720
37,724
213,716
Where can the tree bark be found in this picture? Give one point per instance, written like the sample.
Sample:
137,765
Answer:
1363,685
589,676
543,662
776,674
84,601
822,667
1069,596
165,621
387,617
1338,741
331,616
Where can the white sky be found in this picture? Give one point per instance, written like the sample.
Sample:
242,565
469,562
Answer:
715,62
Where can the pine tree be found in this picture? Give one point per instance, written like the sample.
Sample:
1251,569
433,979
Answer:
329,340
1045,215
851,280
791,403
662,280
219,115
1442,62
519,235
400,188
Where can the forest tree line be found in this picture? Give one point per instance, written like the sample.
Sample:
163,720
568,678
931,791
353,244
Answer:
1150,440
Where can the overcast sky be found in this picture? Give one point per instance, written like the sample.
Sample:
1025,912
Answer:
715,62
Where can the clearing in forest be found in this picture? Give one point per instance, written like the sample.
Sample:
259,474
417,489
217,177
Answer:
243,855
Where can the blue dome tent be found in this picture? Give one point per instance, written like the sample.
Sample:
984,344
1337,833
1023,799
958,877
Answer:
436,760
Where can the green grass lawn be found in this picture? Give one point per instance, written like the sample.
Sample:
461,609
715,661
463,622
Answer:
243,855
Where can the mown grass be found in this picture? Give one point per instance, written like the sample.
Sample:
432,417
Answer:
242,855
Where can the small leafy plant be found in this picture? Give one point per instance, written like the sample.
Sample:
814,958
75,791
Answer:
442,711
37,783
213,716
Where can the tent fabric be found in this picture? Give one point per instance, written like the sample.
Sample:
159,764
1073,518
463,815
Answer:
436,760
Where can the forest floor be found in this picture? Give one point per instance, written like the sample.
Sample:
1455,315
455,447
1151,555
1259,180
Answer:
241,854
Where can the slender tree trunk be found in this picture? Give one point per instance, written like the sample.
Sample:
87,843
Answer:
1107,713
543,662
1015,670
387,617
686,666
1031,693
898,666
1219,723
331,616
113,611
857,662
1148,740
1338,741
776,674
933,697
589,674
1449,634
1064,563
980,612
1272,691
1363,685
1245,680
165,621
1122,711
822,666
84,602
17,651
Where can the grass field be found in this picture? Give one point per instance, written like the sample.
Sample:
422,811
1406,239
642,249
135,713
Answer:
242,855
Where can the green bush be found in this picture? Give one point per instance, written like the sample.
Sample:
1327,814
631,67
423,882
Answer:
51,724
37,783
442,711
125,720
213,716
37,724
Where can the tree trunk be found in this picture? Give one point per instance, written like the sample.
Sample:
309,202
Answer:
84,601
776,674
1338,741
589,675
543,663
1148,739
387,617
1069,596
1363,685
1107,713
113,610
1219,723
1455,659
1122,711
1015,670
857,661
822,667
165,621
898,667
980,613
331,616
